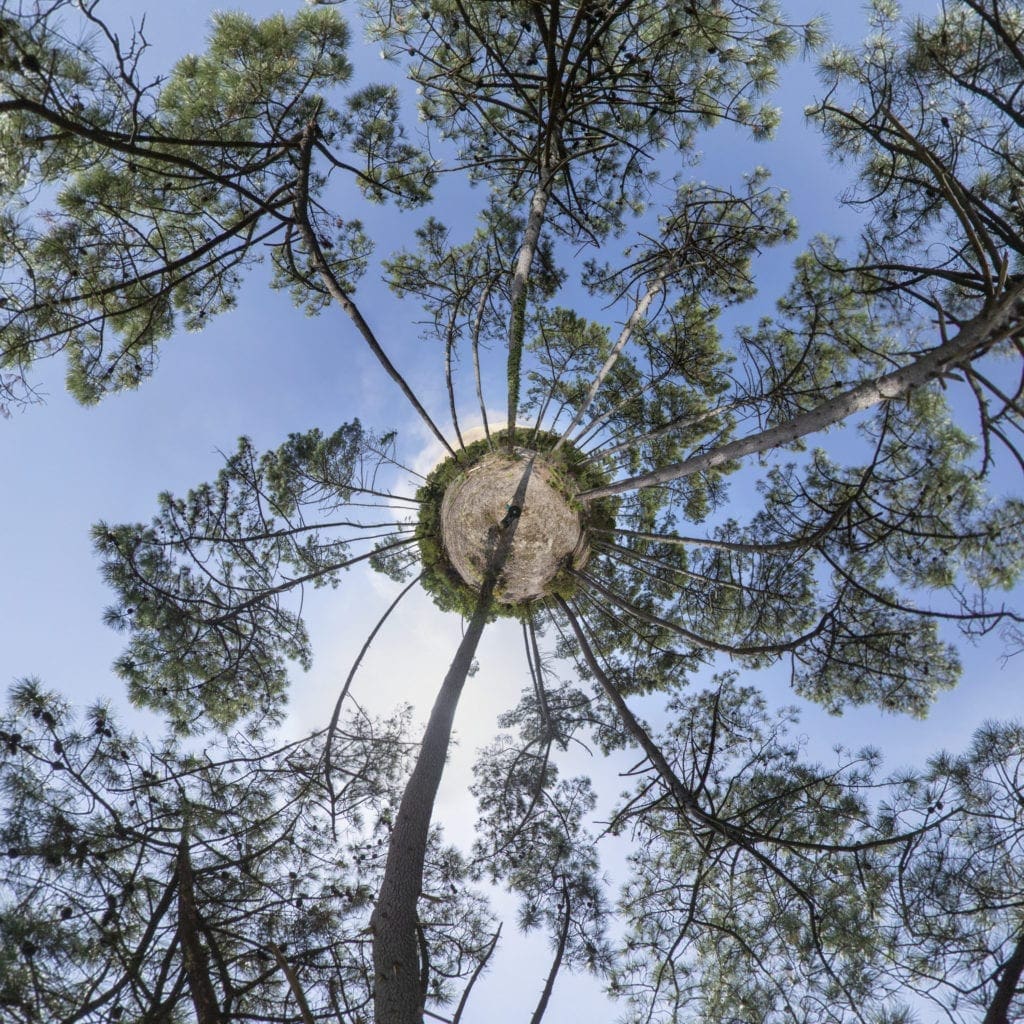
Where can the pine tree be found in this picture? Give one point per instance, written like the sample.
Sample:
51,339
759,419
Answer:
143,880
165,191
847,566
843,896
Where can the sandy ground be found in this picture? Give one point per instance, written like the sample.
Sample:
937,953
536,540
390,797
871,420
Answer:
548,534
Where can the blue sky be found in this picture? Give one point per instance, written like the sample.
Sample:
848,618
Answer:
265,370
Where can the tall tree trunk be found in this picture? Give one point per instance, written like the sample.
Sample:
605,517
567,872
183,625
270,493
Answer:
204,996
477,326
449,346
976,337
556,962
397,994
517,297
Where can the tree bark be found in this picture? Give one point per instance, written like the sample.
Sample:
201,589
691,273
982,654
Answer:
517,297
999,1008
976,336
397,994
204,996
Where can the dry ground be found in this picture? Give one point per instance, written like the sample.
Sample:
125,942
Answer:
549,533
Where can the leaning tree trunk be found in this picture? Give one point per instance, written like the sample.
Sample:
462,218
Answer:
398,992
976,337
556,962
639,312
320,264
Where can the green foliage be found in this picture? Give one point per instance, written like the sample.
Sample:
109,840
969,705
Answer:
166,192
707,238
825,337
916,539
451,280
847,571
581,97
92,822
657,403
821,893
925,119
532,837
764,888
735,897
952,906
199,591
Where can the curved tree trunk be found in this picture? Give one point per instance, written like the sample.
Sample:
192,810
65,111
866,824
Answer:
334,289
398,995
477,971
293,983
556,962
